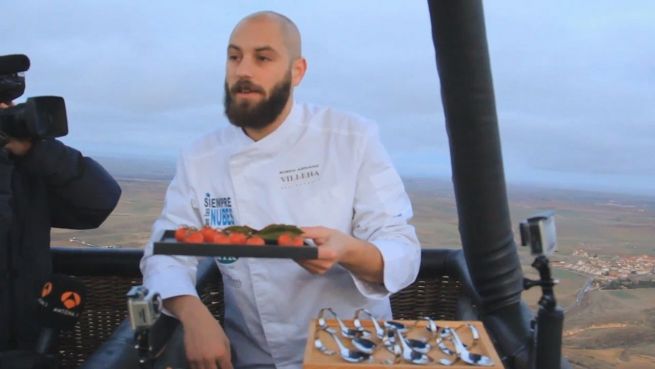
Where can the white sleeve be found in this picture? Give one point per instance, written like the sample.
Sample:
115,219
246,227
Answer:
173,275
381,214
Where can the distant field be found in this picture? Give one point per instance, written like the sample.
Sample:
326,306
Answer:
129,225
609,329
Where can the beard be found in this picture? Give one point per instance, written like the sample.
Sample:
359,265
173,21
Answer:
256,115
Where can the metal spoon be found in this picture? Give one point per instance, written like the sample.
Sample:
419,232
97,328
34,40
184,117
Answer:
409,354
318,344
431,325
467,356
379,331
474,333
446,362
351,356
422,345
389,340
445,349
349,332
397,326
416,345
362,344
445,333
397,352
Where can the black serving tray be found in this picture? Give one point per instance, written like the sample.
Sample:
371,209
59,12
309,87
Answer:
168,245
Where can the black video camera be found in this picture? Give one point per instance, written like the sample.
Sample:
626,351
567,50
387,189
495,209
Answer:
39,117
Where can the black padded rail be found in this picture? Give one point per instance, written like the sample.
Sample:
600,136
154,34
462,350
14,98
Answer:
90,261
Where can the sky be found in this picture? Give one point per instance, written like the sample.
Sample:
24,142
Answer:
574,81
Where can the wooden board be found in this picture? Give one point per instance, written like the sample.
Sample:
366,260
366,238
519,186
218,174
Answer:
314,359
169,246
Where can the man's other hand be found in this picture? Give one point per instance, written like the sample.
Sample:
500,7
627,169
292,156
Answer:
205,342
360,257
332,245
18,147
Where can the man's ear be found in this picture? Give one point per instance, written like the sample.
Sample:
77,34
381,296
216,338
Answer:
298,69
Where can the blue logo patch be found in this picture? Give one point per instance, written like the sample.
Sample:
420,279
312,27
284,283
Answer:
218,214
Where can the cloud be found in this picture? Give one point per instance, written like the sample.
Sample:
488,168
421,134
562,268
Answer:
573,82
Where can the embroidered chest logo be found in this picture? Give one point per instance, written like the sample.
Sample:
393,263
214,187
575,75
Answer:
218,214
300,176
218,211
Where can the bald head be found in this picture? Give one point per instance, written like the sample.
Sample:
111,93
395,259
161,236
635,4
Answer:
285,26
264,64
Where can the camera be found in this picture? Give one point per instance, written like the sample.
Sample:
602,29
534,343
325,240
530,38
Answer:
143,307
539,233
39,117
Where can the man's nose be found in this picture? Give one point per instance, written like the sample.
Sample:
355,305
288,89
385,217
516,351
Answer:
245,68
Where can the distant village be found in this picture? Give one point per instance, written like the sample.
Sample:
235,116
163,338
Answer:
612,272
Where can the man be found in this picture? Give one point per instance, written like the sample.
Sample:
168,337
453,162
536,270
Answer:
43,184
282,162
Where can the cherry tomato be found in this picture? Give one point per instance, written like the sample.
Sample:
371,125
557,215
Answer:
289,239
256,241
208,233
194,237
221,238
180,233
238,238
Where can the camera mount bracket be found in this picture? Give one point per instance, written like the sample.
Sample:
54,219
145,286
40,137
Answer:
538,232
546,282
144,308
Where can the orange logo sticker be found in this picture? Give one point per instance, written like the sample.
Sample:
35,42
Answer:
70,299
47,288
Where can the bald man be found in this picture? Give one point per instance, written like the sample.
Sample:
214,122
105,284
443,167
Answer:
283,162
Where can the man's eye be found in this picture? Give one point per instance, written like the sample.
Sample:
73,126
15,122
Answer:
263,58
233,57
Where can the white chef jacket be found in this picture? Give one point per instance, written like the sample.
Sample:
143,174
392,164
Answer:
320,167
